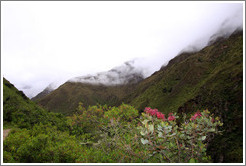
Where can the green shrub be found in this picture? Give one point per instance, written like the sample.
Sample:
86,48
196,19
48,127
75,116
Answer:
172,143
86,123
124,112
100,134
44,143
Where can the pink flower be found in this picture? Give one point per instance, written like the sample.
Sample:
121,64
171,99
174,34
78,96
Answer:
197,115
150,111
170,114
160,115
192,118
154,112
170,118
147,109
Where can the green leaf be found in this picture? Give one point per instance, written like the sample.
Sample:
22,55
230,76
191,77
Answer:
144,141
211,130
182,136
169,127
145,121
143,133
192,160
159,128
203,138
160,134
151,128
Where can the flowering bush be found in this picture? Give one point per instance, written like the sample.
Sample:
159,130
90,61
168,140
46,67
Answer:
172,143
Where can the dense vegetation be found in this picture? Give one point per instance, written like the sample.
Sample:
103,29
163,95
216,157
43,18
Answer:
209,79
98,134
22,112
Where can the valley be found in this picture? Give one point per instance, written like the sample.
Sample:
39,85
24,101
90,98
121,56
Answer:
76,111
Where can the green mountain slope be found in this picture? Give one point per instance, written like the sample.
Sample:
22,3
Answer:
65,99
185,75
209,79
20,111
42,94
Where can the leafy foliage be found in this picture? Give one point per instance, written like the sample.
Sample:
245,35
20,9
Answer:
44,143
101,134
123,112
21,112
173,143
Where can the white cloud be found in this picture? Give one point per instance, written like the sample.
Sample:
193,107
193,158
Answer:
43,42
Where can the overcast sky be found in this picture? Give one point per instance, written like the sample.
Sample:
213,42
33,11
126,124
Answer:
44,42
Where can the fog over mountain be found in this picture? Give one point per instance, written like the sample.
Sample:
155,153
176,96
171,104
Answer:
123,74
91,39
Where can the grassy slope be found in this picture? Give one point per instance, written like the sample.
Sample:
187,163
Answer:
65,99
211,78
20,111
185,75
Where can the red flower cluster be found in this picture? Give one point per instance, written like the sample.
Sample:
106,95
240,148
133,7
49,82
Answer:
154,112
197,115
171,117
159,115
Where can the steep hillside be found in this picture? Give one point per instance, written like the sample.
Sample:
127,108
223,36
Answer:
109,88
44,93
65,99
20,111
185,75
211,78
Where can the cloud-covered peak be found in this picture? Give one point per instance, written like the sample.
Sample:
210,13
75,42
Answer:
124,74
229,26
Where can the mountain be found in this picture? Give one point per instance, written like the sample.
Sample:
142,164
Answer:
121,75
209,79
186,74
21,112
51,87
109,88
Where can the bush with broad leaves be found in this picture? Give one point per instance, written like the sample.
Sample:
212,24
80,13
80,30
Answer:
174,143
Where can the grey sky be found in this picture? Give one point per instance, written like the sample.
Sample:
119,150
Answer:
44,42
